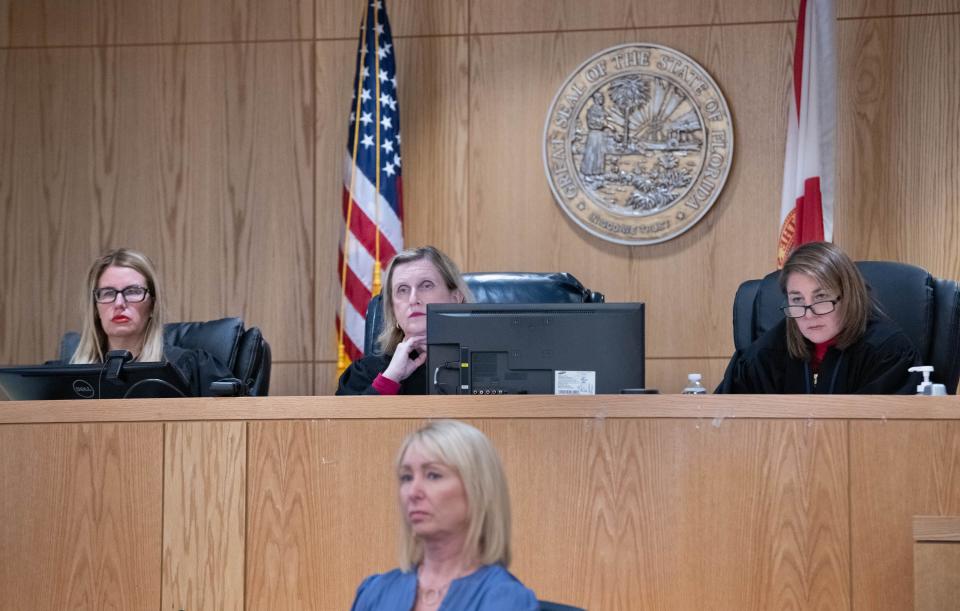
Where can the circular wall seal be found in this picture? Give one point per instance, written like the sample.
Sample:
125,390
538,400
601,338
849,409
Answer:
638,144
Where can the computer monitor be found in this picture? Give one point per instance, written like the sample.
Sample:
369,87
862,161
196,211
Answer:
134,381
487,349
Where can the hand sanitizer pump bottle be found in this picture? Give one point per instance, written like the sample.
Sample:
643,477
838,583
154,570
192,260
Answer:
694,387
926,387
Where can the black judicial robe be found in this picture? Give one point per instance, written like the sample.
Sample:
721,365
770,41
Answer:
198,368
876,365
358,378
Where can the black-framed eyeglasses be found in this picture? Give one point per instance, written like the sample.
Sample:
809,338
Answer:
818,307
131,294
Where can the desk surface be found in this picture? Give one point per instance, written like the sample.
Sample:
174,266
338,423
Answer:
829,407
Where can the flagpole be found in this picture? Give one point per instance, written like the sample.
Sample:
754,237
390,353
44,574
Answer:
342,360
376,77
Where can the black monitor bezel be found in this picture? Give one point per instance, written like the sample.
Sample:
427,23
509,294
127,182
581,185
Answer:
133,377
440,358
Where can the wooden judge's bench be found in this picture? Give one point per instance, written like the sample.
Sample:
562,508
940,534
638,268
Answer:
619,502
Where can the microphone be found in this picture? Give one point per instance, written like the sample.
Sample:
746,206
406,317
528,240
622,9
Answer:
113,363
229,387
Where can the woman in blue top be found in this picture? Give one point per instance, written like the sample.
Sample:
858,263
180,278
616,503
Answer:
455,511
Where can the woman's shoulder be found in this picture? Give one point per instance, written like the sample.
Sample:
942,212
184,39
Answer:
772,345
358,376
371,362
394,576
364,369
774,338
502,590
884,334
382,590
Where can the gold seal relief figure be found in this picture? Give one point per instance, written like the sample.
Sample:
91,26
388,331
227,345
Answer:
637,144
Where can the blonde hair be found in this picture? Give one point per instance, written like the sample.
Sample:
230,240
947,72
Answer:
93,341
467,451
391,335
835,272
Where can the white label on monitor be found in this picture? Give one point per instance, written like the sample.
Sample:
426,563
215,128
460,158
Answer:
575,382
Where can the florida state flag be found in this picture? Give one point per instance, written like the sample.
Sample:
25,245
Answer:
806,206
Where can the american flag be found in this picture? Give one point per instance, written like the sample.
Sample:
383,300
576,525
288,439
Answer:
372,193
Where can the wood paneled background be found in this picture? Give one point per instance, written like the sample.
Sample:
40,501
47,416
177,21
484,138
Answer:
209,134
619,503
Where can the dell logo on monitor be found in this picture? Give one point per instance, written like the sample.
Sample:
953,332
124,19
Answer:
83,389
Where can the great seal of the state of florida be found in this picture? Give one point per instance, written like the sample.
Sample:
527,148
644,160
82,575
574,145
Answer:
638,144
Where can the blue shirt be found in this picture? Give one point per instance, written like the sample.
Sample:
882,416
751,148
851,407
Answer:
490,588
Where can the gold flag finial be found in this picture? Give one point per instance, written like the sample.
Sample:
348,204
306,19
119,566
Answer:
376,278
342,360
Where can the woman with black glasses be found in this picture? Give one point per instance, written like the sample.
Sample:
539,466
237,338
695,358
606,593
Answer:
123,309
833,338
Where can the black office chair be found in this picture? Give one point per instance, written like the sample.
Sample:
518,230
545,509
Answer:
926,308
499,287
244,351
546,605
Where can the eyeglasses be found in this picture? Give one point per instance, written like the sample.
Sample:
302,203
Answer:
818,307
131,294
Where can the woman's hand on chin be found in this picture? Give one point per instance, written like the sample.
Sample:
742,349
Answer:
410,354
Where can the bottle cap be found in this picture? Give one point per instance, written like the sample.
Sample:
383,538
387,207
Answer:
694,377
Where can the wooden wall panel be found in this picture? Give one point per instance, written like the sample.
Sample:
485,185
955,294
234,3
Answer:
95,22
435,133
622,535
81,516
292,379
496,16
881,8
334,65
936,574
515,224
325,379
887,491
46,170
899,151
200,156
204,515
646,507
341,18
670,375
259,263
936,562
4,23
282,563
314,487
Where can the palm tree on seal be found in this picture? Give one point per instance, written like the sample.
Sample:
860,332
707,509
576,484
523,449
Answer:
629,93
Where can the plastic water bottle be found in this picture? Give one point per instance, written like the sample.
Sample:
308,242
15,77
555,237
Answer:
694,387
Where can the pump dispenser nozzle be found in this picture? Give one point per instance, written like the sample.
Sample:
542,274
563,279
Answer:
927,387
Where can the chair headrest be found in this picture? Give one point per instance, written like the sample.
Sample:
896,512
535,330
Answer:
499,287
905,294
68,345
527,287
